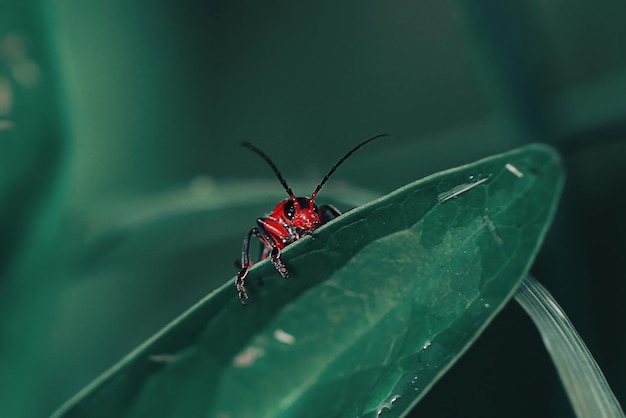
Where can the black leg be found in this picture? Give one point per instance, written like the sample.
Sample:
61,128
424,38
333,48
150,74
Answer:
240,282
269,248
275,251
326,210
278,263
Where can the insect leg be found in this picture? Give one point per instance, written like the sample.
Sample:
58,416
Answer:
328,212
240,282
275,253
278,263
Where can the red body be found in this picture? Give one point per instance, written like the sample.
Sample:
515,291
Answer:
291,220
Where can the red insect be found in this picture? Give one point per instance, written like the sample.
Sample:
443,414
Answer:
291,219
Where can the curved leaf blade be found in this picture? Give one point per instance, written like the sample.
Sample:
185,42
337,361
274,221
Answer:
382,302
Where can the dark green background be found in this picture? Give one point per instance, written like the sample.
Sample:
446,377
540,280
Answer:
134,102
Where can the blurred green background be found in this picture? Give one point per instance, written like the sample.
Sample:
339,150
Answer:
124,194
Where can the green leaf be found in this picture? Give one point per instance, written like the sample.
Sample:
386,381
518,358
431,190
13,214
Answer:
583,380
381,303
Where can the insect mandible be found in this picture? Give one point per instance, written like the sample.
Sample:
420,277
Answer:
291,219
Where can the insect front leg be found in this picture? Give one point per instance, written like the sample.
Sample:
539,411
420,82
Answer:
268,228
240,282
278,263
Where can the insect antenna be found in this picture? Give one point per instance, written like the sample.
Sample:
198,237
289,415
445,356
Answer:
344,158
267,159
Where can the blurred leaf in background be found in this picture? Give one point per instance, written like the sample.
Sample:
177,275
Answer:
151,99
32,156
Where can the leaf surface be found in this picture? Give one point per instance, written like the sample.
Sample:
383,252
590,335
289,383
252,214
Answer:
381,303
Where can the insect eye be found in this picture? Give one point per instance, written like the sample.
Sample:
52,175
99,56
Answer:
289,210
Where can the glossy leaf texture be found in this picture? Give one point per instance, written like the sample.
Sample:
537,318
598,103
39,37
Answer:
381,303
